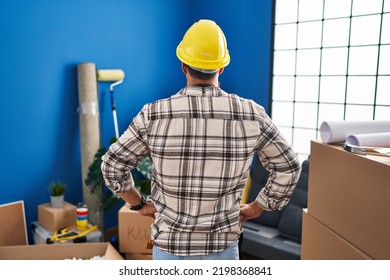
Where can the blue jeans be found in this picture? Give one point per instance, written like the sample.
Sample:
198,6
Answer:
230,253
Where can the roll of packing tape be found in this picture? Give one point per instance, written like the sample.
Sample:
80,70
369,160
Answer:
82,216
89,108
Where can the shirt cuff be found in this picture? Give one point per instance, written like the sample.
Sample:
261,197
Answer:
124,185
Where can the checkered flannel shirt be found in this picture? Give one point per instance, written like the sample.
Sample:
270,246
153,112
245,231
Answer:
201,141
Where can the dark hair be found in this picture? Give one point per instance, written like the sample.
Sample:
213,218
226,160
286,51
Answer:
200,75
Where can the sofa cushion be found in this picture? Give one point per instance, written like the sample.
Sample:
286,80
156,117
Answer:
267,243
259,177
285,224
290,223
304,177
269,218
299,198
258,173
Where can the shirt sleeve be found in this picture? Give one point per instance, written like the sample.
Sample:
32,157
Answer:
284,168
124,155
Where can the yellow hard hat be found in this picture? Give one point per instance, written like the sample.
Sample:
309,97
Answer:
204,47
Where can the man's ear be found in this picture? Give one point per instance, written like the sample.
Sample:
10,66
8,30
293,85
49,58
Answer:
184,68
221,71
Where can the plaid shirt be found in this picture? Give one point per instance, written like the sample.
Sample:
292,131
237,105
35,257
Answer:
201,142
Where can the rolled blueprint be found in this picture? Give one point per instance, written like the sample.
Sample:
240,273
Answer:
338,131
89,136
381,139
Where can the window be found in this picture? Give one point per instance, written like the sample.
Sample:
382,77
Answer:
330,62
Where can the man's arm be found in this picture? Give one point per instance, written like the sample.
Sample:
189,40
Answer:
277,157
122,157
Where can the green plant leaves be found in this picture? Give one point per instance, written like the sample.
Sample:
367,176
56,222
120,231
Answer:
142,175
57,188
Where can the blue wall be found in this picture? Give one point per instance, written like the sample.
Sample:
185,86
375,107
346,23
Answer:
248,27
42,42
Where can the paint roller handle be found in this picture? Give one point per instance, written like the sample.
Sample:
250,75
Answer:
113,109
115,124
113,106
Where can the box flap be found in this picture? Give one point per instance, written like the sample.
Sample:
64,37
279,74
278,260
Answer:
13,224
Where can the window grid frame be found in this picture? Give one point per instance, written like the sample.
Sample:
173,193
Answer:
345,103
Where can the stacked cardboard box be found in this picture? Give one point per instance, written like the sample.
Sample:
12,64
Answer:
347,201
319,242
134,234
55,218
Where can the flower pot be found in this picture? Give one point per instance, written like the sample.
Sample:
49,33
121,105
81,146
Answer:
57,201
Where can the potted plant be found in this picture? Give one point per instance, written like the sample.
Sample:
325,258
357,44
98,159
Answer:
57,193
141,174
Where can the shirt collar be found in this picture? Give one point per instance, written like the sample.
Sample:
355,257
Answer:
202,90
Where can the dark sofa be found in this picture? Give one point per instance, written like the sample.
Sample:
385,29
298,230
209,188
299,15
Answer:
275,235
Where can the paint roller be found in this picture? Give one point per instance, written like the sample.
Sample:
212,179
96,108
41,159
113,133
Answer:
115,76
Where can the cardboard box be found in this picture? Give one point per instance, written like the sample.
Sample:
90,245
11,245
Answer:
13,224
321,243
83,251
134,231
349,193
135,256
55,218
15,212
41,234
